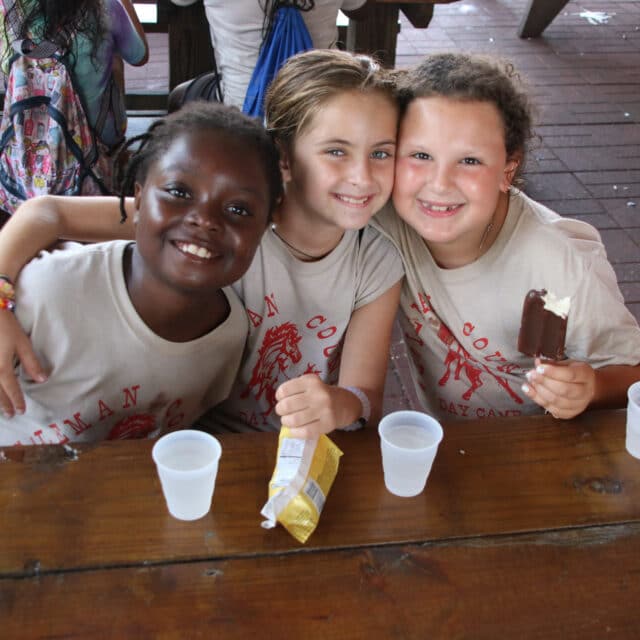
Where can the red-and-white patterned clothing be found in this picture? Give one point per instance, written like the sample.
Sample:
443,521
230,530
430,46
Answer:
461,325
298,315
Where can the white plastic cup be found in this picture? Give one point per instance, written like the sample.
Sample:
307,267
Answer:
409,441
187,463
633,420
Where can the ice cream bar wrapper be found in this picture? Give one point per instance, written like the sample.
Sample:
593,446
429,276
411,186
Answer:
302,478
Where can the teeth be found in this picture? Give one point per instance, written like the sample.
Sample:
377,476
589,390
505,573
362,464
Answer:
195,250
352,200
434,207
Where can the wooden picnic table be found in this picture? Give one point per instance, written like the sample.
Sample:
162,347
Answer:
528,528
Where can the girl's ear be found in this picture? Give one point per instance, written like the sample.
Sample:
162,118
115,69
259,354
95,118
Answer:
285,163
510,170
137,195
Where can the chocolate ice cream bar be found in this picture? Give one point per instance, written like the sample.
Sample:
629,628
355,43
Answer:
544,325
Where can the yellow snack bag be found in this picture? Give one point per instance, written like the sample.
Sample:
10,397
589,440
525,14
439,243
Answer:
298,489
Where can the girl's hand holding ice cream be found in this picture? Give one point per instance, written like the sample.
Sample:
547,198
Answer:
564,389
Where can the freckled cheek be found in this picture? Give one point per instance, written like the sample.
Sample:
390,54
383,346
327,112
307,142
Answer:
404,204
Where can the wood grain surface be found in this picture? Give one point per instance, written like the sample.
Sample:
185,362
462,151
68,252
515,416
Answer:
530,522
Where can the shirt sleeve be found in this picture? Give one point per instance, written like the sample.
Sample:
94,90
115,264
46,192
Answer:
48,282
601,330
127,40
379,267
230,339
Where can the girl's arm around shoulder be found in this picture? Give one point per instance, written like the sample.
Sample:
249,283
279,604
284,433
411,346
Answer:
15,346
36,225
310,407
40,222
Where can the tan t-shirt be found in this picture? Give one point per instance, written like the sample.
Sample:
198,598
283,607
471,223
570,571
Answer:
298,315
461,325
110,375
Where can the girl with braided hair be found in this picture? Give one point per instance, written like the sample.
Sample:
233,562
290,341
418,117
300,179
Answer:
323,289
142,337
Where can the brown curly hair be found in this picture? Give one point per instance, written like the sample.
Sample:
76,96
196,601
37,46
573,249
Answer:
474,78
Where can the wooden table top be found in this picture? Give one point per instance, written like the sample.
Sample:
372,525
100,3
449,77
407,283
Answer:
528,525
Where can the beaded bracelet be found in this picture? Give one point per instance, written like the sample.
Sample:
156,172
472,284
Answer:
7,293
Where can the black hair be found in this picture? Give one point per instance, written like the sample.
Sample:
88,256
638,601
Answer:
200,116
58,21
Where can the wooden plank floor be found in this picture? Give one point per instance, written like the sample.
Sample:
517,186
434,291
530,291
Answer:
586,82
585,79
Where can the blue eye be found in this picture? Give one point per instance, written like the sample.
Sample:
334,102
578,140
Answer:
335,152
380,155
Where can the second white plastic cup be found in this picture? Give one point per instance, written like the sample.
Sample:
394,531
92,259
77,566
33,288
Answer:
409,442
633,420
187,463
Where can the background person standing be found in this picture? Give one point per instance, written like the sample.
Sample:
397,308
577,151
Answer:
238,28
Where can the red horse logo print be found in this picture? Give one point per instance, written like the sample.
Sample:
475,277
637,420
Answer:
459,361
279,349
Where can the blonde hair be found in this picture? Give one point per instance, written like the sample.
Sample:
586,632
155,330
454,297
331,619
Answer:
307,80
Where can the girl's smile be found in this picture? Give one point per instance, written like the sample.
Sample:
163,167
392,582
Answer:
452,175
201,213
439,210
191,249
353,200
340,170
